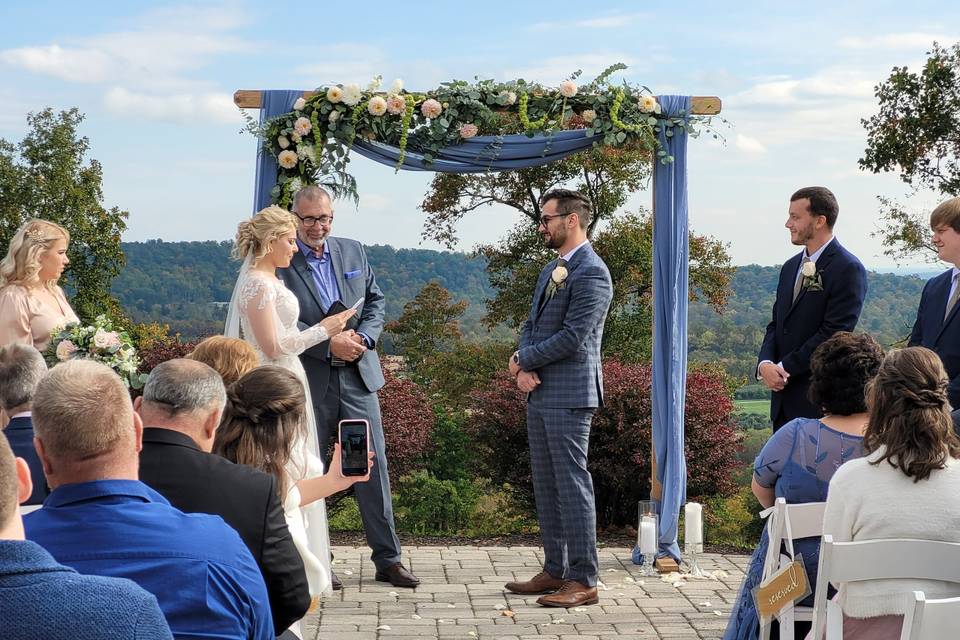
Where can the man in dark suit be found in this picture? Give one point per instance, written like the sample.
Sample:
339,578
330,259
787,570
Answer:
937,326
21,367
821,291
558,366
181,407
344,372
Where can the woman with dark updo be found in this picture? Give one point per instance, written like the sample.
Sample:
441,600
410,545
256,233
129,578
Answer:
799,460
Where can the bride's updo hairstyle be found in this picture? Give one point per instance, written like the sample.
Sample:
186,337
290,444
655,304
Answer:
22,262
263,417
910,413
255,235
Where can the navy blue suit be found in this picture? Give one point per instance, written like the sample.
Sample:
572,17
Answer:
934,332
19,432
798,327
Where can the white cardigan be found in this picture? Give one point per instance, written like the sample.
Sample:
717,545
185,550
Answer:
868,502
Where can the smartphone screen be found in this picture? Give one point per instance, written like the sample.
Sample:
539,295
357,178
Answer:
353,447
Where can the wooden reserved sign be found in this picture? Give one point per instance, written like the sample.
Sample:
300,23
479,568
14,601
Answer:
785,587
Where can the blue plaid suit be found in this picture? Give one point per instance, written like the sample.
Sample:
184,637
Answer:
561,342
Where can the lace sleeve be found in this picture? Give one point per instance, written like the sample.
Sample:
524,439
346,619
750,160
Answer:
258,302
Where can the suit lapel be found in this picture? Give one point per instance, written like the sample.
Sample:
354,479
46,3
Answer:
336,256
787,282
940,295
302,269
822,263
571,267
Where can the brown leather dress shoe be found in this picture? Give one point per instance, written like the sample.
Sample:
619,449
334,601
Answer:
543,582
571,594
398,576
335,583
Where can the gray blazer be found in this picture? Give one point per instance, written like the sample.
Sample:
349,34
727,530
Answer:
561,338
355,279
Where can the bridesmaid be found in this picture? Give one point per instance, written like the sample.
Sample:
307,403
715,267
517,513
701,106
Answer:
32,305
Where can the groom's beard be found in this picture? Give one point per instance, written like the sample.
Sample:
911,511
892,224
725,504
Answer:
803,236
554,240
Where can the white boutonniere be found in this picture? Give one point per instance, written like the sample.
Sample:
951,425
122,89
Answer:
812,280
557,278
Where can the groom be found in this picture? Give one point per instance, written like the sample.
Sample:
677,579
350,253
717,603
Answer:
344,372
558,366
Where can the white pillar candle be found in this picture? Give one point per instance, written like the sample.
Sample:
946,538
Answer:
693,526
648,535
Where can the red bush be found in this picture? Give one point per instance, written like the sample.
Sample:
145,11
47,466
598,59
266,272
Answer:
407,424
160,352
620,440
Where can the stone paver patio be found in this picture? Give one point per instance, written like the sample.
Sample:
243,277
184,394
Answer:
462,596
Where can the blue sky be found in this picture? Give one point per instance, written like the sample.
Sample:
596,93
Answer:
156,81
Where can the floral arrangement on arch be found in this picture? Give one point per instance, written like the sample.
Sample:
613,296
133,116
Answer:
312,142
101,342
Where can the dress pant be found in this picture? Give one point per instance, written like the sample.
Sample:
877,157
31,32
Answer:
347,398
563,488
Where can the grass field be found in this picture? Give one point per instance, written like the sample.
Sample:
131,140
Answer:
760,407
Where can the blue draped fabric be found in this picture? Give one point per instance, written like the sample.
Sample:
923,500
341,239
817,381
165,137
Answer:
274,103
500,153
486,153
670,271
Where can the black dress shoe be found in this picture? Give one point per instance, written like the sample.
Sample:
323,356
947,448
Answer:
398,576
335,583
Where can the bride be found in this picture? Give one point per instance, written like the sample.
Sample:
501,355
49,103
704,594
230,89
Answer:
264,313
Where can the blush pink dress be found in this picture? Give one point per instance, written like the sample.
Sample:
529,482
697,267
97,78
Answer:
29,319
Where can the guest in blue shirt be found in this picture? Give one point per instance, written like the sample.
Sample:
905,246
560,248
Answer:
100,519
40,599
21,367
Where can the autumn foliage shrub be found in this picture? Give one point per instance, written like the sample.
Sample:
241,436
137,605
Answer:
620,440
407,424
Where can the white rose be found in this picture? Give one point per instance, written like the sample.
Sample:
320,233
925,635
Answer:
351,94
648,104
334,94
334,116
588,115
287,159
809,269
65,349
511,97
283,142
559,274
101,339
568,88
299,104
397,86
377,106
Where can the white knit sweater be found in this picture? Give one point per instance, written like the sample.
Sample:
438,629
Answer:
868,502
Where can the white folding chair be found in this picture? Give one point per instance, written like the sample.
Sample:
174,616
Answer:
786,523
931,619
891,559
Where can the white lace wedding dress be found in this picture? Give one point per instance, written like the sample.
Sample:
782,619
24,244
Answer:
263,306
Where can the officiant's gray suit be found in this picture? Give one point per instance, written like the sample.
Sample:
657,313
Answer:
560,341
350,391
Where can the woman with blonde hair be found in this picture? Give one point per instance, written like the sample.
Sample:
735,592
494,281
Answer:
230,357
264,417
265,313
32,305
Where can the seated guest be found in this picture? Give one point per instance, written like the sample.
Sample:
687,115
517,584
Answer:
40,599
180,408
230,357
907,486
100,520
21,368
263,426
800,458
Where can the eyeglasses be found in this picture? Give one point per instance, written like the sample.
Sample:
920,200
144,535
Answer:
545,220
309,221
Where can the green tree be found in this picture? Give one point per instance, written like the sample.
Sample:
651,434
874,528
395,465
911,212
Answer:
626,245
916,132
47,176
428,325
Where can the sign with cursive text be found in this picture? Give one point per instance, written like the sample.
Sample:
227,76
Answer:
784,588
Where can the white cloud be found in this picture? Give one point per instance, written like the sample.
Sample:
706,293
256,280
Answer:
614,21
71,64
897,41
749,145
185,108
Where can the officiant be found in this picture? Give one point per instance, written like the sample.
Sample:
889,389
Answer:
344,373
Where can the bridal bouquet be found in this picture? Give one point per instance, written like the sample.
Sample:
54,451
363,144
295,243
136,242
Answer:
98,341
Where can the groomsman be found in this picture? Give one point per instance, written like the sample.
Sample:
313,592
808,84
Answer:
558,367
821,291
937,327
